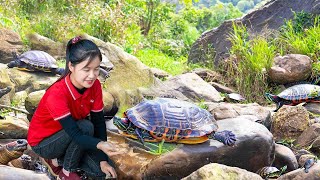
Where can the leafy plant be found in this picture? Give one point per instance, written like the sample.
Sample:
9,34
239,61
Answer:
155,58
250,58
286,142
158,148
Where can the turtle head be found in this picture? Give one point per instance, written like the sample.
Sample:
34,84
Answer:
12,64
18,145
121,123
272,97
59,71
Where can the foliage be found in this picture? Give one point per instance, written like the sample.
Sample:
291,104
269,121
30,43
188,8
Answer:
302,36
160,147
155,58
250,59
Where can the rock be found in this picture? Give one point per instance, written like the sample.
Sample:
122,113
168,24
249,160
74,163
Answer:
268,17
289,122
284,157
313,107
308,136
301,152
304,158
13,128
12,173
313,174
5,82
38,42
31,81
253,112
32,101
108,101
161,74
290,68
207,75
315,146
221,88
193,87
19,98
159,89
188,158
220,171
10,42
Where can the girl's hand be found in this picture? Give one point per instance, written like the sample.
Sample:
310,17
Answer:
107,169
108,148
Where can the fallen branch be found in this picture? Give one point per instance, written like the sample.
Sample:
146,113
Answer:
13,108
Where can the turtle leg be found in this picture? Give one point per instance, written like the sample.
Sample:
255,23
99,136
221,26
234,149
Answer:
139,134
279,105
59,71
226,137
104,73
4,91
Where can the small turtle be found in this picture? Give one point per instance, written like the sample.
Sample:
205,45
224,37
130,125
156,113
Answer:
234,97
296,95
271,172
12,150
172,120
36,61
105,66
309,163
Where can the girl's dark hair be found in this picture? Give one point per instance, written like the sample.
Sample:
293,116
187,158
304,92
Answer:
79,50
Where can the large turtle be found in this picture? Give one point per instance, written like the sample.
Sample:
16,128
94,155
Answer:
171,120
36,61
295,95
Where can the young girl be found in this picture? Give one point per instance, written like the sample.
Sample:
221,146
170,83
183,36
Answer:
60,131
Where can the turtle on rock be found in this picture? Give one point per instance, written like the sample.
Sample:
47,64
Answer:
12,150
295,95
309,163
171,120
271,172
36,61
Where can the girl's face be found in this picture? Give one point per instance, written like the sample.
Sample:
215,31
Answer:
83,74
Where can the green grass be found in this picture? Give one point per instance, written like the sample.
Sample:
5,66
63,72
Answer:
155,58
249,60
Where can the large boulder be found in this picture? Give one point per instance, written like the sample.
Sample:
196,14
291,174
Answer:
271,16
254,143
11,173
220,171
10,42
290,68
289,122
13,128
38,42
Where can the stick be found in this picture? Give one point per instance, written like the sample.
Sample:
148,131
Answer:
13,108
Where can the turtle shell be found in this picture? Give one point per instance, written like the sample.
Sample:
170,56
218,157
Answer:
300,92
38,59
269,171
172,114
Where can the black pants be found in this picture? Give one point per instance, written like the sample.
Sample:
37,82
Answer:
69,154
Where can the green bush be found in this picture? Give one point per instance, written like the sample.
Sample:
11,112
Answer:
157,59
251,59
